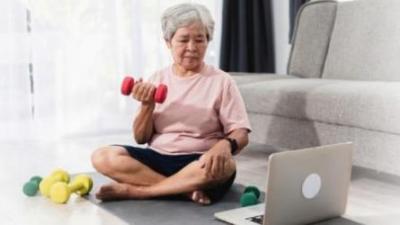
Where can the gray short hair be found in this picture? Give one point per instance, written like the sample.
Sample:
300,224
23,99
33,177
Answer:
182,15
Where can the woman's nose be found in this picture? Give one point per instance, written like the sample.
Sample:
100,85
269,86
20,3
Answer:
191,45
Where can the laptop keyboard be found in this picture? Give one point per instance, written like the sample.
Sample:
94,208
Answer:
256,219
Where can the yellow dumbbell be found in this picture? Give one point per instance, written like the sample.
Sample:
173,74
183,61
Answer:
81,185
56,176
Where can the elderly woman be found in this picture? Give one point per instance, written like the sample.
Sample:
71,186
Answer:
193,135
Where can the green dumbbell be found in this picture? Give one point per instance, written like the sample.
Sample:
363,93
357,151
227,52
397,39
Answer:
250,196
32,186
81,185
56,176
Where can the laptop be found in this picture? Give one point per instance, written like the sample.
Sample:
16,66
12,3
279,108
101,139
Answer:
303,186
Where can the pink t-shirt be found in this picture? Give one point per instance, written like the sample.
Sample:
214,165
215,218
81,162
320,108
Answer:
199,110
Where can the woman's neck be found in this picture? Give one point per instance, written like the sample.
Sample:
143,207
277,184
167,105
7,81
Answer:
182,72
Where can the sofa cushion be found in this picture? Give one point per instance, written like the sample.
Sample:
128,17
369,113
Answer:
311,40
365,43
363,104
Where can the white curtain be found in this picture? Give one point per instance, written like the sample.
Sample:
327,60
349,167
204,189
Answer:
62,62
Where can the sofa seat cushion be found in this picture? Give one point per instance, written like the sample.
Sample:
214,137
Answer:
370,105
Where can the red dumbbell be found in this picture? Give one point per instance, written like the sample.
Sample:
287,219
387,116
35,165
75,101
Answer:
159,95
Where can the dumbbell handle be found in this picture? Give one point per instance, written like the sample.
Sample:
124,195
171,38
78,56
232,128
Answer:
81,185
159,95
74,187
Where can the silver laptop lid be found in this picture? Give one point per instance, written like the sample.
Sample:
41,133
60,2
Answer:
308,185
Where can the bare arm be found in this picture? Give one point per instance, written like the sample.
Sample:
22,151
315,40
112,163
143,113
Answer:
143,126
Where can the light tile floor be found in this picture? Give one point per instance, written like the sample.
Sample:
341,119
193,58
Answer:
371,200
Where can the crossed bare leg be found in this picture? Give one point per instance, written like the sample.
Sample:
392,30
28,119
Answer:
114,191
137,181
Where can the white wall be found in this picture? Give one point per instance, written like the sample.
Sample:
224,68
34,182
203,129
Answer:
281,34
79,51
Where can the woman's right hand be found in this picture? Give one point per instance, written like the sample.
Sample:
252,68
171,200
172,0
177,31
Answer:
144,92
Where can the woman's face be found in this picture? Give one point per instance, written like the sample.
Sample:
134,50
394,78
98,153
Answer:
188,46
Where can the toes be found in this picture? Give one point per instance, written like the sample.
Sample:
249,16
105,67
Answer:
102,192
203,199
111,191
200,197
105,189
195,196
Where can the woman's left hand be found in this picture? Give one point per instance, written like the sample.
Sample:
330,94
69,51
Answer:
215,159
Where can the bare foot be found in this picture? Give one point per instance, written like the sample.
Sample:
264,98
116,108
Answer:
119,191
199,197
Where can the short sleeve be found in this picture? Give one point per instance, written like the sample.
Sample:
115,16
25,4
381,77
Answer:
232,110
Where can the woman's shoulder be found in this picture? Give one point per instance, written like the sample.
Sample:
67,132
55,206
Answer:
217,73
159,75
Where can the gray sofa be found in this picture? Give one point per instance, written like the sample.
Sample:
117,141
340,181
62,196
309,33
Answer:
342,84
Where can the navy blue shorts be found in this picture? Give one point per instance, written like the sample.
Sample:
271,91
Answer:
168,165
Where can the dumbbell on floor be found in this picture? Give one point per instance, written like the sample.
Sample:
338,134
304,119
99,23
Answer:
47,182
81,185
32,186
159,95
250,196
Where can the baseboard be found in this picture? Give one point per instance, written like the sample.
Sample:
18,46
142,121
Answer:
359,172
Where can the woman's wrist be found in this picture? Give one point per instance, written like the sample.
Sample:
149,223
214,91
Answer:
148,106
233,145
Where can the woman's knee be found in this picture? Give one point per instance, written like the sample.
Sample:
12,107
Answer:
102,158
